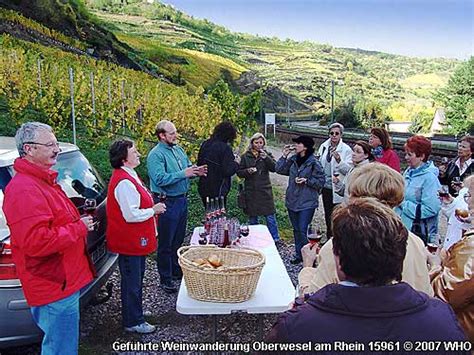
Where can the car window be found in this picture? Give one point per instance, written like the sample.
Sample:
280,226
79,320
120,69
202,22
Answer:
78,178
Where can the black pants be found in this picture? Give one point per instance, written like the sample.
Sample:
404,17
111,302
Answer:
328,207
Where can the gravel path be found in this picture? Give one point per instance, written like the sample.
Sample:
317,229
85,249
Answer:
101,324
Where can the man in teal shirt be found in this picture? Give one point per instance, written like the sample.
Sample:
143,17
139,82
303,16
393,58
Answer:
170,169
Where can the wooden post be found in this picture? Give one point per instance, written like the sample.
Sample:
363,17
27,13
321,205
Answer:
93,98
71,85
39,78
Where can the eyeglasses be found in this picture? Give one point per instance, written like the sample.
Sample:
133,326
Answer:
47,145
334,133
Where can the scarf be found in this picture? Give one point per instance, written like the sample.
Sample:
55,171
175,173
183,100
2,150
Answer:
301,160
377,152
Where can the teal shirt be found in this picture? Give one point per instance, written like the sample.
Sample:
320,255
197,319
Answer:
166,165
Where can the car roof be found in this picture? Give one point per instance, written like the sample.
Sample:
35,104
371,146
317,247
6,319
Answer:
8,151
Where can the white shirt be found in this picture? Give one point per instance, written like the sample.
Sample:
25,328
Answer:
464,167
455,226
128,199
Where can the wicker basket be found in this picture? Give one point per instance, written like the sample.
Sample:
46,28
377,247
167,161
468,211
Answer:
235,281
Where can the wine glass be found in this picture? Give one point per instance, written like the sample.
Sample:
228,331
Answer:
162,197
244,230
90,204
433,245
203,234
313,233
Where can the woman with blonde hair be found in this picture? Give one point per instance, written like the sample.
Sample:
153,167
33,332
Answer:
452,277
255,167
386,185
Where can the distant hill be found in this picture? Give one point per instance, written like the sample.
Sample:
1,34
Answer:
165,42
302,69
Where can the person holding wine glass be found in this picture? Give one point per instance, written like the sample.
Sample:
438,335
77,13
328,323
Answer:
449,206
48,240
459,168
131,230
306,178
334,155
452,270
386,185
255,167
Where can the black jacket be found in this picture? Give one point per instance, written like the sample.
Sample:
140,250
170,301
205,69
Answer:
452,171
220,167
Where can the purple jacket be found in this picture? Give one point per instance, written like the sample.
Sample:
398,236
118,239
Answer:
396,313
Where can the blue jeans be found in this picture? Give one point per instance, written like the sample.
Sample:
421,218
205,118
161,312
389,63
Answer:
300,221
271,224
60,323
171,232
132,270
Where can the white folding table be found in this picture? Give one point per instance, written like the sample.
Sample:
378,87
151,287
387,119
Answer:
274,292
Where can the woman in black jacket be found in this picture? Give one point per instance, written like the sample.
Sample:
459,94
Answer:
461,167
217,154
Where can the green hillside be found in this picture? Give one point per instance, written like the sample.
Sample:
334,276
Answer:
370,87
174,41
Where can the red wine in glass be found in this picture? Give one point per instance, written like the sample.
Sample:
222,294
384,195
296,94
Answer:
313,233
432,247
90,206
162,197
244,230
442,193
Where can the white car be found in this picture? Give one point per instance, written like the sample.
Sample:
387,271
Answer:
80,181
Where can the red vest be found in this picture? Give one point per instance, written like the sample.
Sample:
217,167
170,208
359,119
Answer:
129,238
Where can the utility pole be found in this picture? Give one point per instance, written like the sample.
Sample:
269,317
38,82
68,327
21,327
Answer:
332,101
288,112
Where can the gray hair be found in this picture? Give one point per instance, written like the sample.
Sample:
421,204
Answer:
28,132
256,136
161,126
337,125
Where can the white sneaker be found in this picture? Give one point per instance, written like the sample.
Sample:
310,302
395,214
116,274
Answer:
143,328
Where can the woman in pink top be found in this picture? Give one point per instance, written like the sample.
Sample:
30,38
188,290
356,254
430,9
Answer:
382,148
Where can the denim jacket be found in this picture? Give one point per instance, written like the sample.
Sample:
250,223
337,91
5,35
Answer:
301,197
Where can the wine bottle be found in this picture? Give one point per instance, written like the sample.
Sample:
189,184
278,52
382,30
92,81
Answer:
226,241
223,211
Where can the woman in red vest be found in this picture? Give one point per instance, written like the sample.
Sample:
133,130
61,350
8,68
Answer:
131,230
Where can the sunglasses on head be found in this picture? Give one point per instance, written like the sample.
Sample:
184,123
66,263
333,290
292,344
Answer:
334,133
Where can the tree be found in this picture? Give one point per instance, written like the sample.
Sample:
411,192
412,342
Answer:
458,99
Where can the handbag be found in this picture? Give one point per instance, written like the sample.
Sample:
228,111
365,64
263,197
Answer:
241,202
420,226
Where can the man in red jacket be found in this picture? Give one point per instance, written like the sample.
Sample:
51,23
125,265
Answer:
48,239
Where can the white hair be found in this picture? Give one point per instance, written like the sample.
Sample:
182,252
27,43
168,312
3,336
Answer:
337,125
28,132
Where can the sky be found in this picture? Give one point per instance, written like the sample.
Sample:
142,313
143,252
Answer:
421,28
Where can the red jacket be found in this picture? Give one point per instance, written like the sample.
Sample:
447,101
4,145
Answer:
129,238
47,236
391,159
